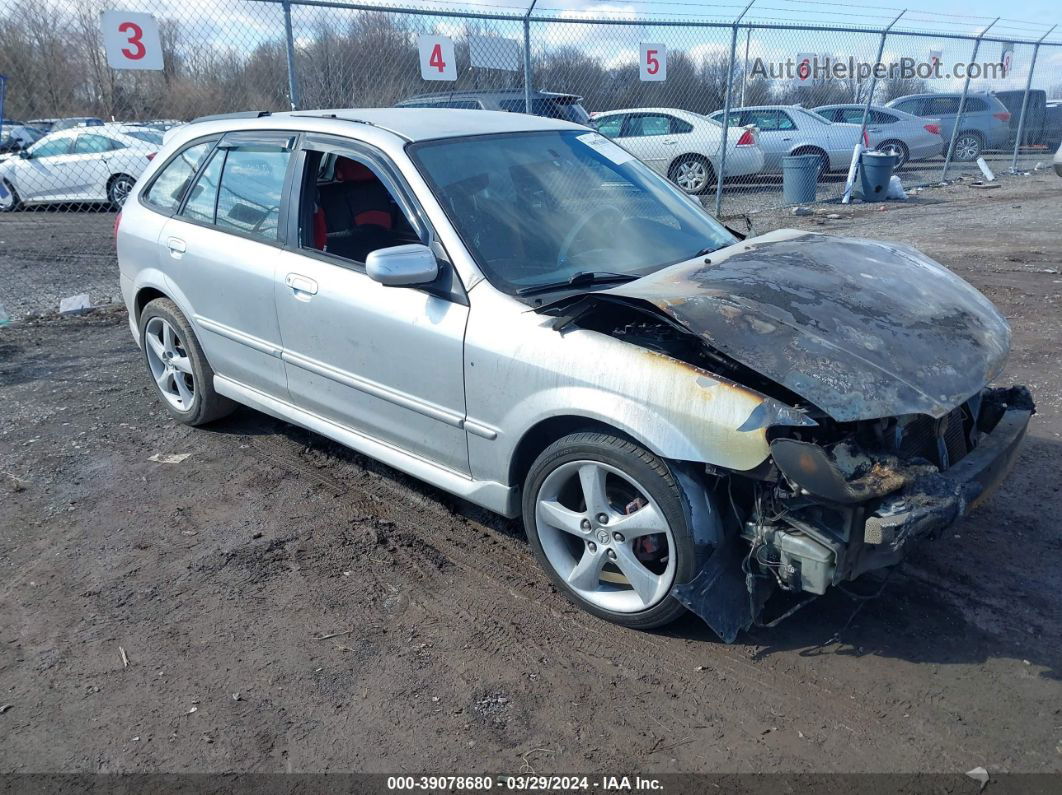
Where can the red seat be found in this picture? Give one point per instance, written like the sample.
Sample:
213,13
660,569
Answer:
368,202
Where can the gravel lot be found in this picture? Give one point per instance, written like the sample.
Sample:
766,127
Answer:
285,604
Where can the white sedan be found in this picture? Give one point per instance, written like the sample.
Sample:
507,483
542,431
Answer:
685,147
81,164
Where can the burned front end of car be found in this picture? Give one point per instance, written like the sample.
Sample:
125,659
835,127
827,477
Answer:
840,499
878,424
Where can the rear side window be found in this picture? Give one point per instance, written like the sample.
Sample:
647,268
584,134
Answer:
975,105
166,191
94,144
203,197
252,183
941,106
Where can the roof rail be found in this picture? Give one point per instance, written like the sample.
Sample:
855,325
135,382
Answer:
243,114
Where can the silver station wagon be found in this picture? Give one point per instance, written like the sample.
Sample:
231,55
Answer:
519,312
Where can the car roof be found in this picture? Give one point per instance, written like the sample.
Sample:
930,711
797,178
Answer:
411,124
494,92
672,111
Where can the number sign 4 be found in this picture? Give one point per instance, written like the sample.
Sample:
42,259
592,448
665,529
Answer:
437,60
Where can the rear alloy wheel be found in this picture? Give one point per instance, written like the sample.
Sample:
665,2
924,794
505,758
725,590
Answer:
605,520
692,173
967,147
119,189
896,148
182,375
9,200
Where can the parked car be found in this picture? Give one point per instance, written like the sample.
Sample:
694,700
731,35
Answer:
792,130
18,136
543,103
1053,123
985,120
1058,161
1035,130
685,147
79,164
55,125
893,131
518,311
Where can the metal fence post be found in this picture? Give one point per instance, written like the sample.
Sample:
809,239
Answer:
962,102
1025,101
527,57
726,109
874,75
289,42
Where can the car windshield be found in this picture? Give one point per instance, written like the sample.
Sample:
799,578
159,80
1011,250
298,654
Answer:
538,208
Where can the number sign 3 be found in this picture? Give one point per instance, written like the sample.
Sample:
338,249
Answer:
437,60
652,64
131,40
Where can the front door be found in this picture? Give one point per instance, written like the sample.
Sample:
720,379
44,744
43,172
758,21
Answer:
648,137
46,173
384,361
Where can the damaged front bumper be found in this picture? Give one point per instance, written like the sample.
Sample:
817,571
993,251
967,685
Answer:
836,525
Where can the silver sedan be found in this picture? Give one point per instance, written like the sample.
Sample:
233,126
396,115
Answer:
518,311
889,130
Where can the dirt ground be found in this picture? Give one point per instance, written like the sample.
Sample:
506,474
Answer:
275,602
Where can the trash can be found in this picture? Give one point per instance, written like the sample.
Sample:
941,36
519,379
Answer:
875,171
800,175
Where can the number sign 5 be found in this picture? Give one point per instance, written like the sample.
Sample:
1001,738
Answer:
652,63
131,40
437,60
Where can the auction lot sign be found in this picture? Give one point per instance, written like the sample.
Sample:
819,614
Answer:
131,40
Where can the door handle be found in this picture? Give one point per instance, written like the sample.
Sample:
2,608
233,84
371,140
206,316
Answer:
787,139
669,141
301,284
176,247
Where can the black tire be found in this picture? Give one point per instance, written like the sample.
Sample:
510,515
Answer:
899,148
15,202
968,146
656,478
692,160
118,189
206,405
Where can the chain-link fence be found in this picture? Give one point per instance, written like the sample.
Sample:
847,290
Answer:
694,91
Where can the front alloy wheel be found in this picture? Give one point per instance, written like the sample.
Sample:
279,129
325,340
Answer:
605,518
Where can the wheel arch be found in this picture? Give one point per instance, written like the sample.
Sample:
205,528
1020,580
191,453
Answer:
695,155
545,432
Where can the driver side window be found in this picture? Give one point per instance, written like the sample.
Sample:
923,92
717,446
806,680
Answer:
51,148
347,209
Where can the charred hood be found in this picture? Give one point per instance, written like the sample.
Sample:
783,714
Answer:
859,328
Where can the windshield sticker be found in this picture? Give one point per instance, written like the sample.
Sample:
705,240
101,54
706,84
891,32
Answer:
604,146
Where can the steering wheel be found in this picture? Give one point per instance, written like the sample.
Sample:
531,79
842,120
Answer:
577,229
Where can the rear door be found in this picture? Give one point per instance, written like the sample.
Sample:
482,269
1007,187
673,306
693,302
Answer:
221,250
776,135
90,166
384,361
